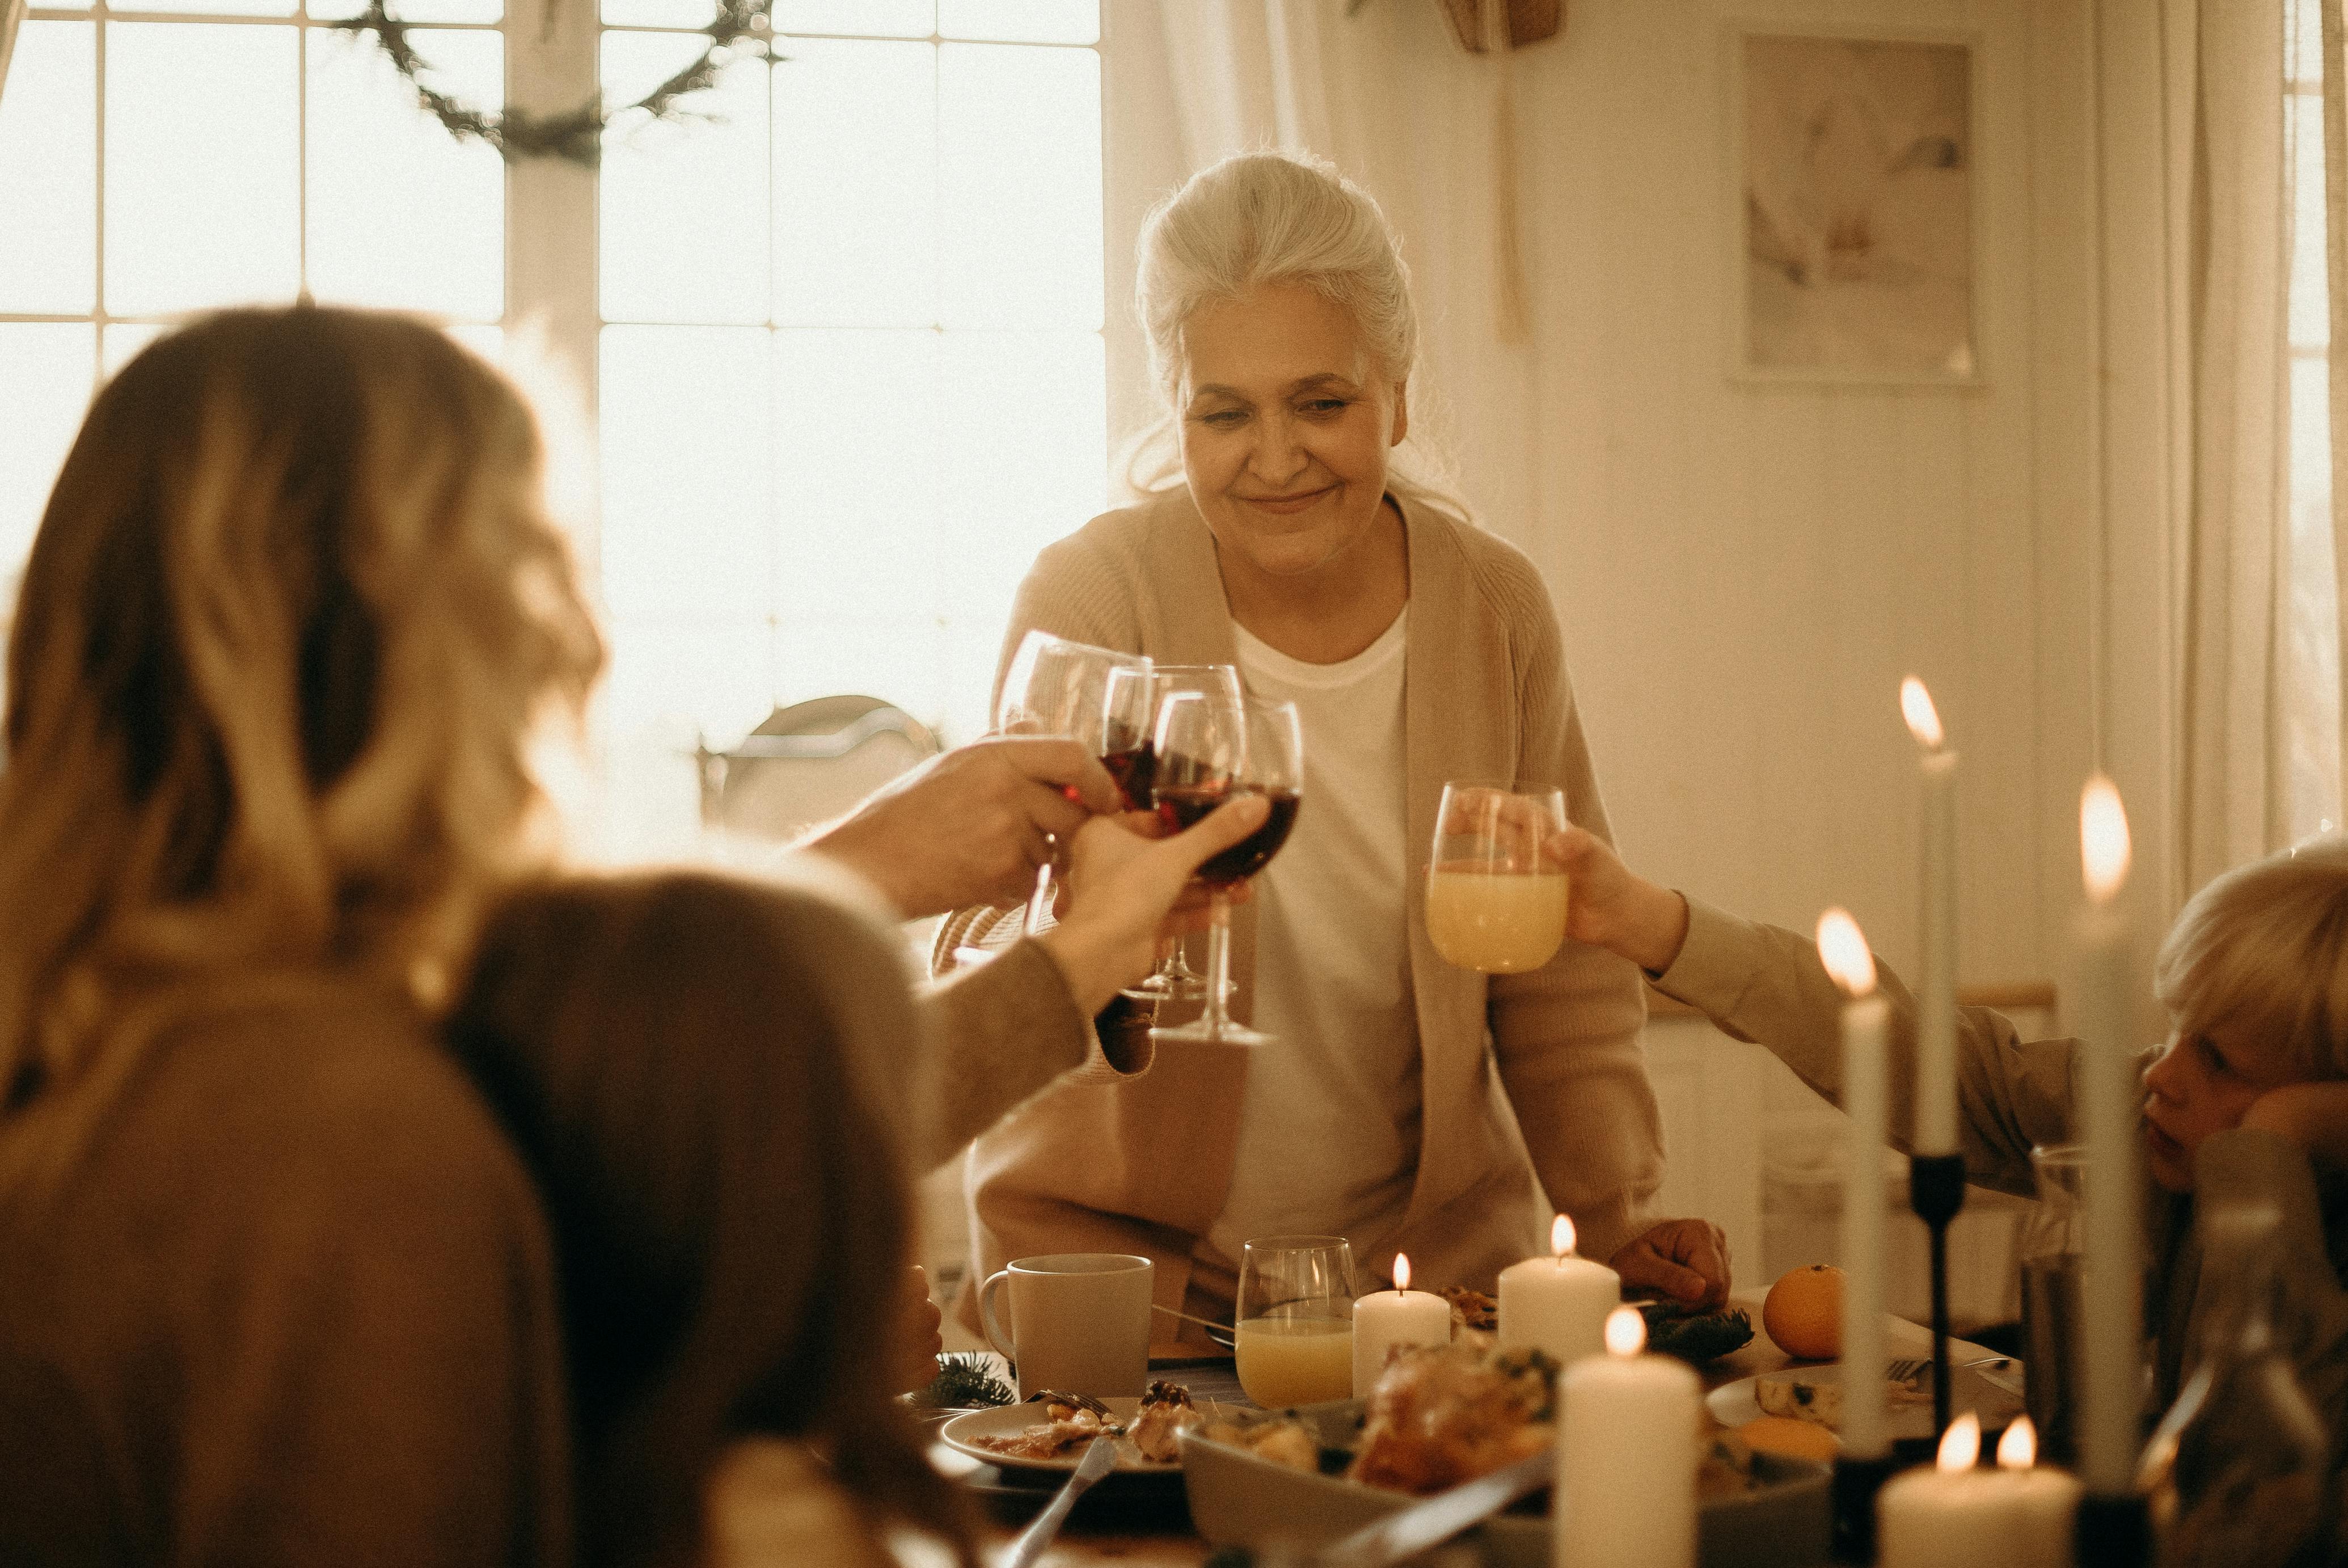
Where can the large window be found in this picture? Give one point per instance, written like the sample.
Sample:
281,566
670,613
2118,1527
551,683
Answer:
849,371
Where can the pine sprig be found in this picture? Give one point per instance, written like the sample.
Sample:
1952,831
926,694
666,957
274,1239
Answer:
575,135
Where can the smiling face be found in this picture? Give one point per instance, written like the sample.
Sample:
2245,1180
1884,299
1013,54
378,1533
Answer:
1286,421
2202,1084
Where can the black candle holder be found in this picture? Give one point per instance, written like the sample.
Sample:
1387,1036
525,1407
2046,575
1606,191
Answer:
1856,1482
1936,1189
2114,1531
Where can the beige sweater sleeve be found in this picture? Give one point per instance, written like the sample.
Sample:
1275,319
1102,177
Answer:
1765,984
1566,1036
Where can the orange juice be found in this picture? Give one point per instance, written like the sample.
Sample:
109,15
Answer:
1296,1361
1503,922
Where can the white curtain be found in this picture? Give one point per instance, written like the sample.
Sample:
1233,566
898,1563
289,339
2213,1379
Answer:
11,13
2233,756
1388,96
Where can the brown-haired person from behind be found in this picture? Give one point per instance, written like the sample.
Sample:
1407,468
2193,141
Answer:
276,1287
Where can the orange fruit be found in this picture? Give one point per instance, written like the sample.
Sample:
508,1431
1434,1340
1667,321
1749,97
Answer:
1793,1440
1803,1313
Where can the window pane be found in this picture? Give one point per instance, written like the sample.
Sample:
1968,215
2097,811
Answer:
659,13
119,342
1020,21
671,678
377,160
877,18
855,159
686,473
2310,311
684,211
856,497
1024,441
211,7
413,12
1019,180
2312,675
45,373
48,170
200,166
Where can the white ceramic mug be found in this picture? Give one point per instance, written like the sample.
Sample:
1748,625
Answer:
1079,1323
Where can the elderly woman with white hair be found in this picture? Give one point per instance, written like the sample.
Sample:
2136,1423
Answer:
1402,1103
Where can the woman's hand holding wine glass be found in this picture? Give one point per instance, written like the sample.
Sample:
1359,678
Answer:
1056,686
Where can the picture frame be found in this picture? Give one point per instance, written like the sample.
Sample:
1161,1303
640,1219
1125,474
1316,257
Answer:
1854,220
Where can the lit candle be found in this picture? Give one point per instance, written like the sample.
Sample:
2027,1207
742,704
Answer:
2110,1306
1936,1028
1957,1516
1866,1017
1626,1455
1387,1320
1558,1304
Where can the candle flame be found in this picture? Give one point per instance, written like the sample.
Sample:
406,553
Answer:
2103,838
1960,1444
1923,718
1401,1273
2018,1450
1842,948
1626,1332
1561,1235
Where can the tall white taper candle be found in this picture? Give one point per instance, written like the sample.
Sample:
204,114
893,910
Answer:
1866,1020
1936,1023
2111,1289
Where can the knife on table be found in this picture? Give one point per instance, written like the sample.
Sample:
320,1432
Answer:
1439,1517
1098,1460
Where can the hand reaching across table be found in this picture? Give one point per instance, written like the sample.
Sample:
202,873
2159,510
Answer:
1687,1259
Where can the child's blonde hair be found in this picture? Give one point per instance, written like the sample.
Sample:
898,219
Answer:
2260,955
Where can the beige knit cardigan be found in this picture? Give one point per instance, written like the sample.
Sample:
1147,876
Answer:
1140,1161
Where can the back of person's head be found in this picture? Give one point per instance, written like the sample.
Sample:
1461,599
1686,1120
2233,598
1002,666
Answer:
2261,956
288,625
697,1070
1268,219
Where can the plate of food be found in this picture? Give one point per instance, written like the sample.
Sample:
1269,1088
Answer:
1051,1431
1306,1477
1814,1394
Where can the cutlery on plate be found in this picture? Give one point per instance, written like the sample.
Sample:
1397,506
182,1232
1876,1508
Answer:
1919,1371
1098,1460
1438,1518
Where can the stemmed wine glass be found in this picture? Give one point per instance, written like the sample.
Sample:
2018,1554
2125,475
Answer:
1211,750
1056,686
1131,757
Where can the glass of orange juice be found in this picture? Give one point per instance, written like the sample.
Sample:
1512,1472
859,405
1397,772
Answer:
1294,1333
1493,903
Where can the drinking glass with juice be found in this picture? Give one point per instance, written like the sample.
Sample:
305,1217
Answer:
1295,1325
1493,903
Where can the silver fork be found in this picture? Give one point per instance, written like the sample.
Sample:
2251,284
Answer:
1915,1369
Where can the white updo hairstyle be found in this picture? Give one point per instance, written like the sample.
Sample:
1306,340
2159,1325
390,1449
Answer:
1269,218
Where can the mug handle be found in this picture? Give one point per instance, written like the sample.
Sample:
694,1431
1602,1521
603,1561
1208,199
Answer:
995,1335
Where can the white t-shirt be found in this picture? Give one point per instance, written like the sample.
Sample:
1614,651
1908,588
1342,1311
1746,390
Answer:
1329,1125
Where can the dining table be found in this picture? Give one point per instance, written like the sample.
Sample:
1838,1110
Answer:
1155,1531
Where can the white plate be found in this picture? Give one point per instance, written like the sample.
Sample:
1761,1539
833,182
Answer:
1004,1420
1733,1404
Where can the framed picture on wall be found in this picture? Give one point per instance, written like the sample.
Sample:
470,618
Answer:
1857,213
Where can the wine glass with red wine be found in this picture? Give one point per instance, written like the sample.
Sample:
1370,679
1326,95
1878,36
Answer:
1210,750
1131,758
1056,686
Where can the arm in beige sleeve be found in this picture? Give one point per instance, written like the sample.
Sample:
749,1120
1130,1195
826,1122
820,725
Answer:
1765,984
1566,1036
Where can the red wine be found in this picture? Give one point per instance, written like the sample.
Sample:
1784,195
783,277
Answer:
1184,806
1134,769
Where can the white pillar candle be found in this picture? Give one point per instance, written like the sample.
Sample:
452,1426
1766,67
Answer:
1387,1319
1626,1455
2110,1291
1866,1023
1957,1516
1558,1304
1936,1023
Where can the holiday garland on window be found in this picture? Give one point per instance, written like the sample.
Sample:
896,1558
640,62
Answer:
741,27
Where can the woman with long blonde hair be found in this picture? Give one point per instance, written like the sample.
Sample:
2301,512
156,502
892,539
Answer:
277,1277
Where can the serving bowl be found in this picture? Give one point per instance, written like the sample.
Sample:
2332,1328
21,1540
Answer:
1239,1499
